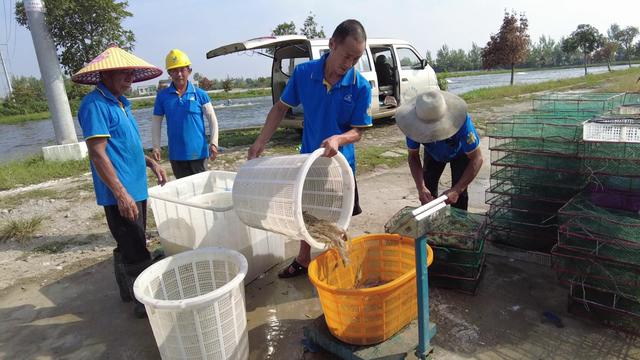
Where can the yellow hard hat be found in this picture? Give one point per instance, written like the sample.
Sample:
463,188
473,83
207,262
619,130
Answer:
176,59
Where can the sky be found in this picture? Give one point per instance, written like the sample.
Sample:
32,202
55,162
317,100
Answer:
199,26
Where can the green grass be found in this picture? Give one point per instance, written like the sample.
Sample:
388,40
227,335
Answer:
369,157
35,170
98,215
583,82
53,247
20,230
239,95
142,103
16,119
240,137
15,200
58,246
244,137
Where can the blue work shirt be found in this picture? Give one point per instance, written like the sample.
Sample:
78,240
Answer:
464,141
328,110
101,115
185,121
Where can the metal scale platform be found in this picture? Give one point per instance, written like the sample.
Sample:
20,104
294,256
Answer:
415,337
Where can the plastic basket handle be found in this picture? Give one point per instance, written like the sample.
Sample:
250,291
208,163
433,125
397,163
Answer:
429,208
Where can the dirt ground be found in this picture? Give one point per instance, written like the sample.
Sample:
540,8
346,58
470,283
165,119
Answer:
58,298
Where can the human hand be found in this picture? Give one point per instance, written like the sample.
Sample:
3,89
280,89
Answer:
213,152
156,154
452,196
331,146
127,207
424,196
255,151
160,174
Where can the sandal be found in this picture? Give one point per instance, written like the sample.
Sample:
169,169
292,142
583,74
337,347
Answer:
293,270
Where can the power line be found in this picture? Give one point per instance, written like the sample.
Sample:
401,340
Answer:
15,34
6,19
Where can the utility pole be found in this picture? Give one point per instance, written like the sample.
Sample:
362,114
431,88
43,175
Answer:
51,74
6,74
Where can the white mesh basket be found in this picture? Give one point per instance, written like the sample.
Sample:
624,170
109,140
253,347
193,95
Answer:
621,129
271,193
195,303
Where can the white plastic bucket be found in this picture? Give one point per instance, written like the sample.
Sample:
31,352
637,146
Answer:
271,193
195,303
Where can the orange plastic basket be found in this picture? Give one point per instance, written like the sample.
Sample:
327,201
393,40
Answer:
368,315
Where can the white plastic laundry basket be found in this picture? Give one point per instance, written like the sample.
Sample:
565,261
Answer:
195,303
271,193
197,211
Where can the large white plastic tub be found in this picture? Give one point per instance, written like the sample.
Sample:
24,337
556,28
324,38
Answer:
197,211
195,303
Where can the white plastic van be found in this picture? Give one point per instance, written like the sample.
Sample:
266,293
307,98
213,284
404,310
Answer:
392,67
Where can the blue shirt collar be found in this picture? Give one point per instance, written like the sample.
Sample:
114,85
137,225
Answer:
107,94
190,88
317,74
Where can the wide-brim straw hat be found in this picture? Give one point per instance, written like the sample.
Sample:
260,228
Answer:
115,58
432,116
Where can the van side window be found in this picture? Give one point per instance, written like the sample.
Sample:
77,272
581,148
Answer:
362,65
409,60
288,64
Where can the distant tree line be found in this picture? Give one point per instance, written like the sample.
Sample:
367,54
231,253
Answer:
583,46
28,96
231,82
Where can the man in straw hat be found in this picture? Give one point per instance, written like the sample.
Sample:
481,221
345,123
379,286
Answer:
336,100
439,121
185,107
118,163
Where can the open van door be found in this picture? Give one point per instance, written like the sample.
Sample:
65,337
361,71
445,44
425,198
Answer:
293,47
261,43
415,75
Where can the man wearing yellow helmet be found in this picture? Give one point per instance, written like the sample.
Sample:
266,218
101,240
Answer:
185,107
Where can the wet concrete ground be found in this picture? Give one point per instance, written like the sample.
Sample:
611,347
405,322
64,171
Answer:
80,316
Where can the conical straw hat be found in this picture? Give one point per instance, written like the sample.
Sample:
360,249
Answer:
115,58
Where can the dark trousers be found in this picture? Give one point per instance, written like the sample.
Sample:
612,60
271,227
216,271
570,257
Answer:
129,235
356,202
433,170
187,167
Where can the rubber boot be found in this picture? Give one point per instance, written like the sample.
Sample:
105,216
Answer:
118,268
131,273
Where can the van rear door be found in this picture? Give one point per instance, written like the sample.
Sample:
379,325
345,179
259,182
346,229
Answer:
261,43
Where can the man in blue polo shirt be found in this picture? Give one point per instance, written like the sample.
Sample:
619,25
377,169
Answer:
336,100
118,163
439,121
185,107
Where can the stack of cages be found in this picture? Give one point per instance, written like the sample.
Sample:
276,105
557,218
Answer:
536,167
598,251
457,240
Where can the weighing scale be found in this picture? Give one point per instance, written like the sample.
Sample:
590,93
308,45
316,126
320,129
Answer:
414,224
